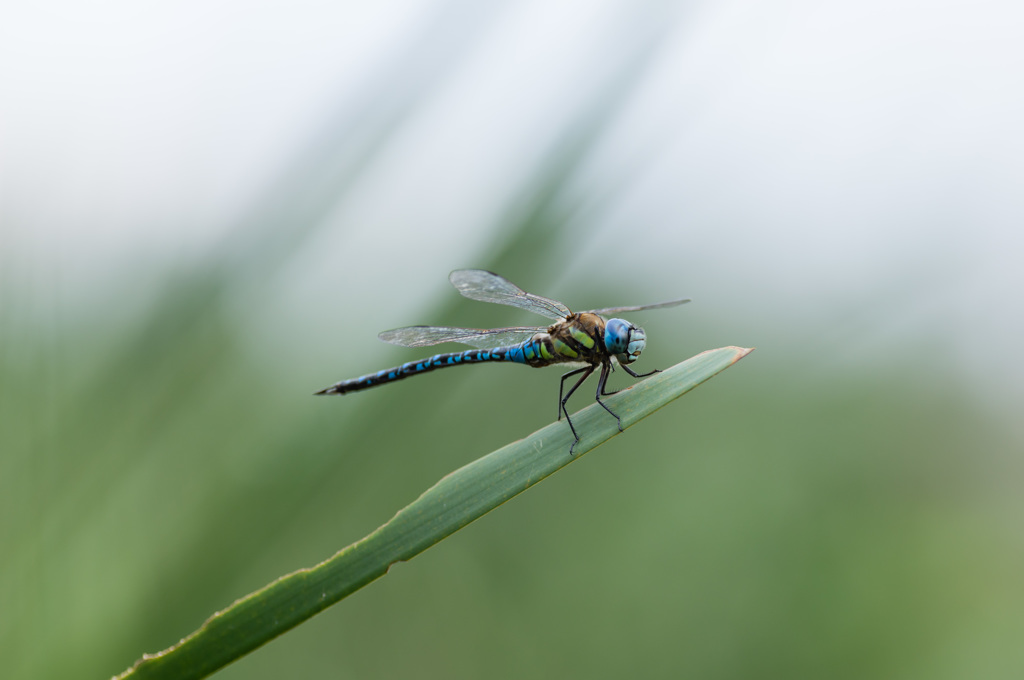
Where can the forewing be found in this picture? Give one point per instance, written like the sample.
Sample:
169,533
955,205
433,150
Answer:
604,311
485,286
425,336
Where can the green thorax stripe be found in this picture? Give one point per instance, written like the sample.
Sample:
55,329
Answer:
581,336
564,349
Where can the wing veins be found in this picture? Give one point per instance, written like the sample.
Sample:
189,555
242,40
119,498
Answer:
638,308
481,338
485,286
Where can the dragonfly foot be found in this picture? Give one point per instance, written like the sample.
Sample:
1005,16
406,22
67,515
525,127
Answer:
627,369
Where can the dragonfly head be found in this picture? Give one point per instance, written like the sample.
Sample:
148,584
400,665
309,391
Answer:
624,340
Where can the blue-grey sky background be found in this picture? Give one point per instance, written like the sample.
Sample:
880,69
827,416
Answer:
796,161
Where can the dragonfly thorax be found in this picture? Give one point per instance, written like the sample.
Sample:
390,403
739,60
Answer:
625,340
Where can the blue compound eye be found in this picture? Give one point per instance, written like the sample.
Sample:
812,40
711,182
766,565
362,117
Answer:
624,340
616,335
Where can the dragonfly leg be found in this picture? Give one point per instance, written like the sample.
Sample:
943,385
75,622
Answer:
586,370
601,385
605,372
611,369
561,387
627,369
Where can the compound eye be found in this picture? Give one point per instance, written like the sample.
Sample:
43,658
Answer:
617,334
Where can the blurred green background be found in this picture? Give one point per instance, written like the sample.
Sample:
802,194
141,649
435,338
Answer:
209,210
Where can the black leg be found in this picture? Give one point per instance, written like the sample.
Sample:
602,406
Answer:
610,368
561,387
627,369
605,372
586,370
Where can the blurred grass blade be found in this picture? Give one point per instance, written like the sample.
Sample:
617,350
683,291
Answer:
452,503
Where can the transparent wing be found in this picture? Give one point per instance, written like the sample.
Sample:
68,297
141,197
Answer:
485,286
616,310
424,336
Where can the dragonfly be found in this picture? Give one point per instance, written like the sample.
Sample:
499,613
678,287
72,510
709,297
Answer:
588,340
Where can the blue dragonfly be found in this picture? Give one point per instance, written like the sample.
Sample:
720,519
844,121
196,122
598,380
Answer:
585,339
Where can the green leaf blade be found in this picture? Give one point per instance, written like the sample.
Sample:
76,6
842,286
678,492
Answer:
456,500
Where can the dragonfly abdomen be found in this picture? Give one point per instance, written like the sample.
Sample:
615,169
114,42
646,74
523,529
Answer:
514,353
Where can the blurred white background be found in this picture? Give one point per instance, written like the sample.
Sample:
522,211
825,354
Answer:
855,164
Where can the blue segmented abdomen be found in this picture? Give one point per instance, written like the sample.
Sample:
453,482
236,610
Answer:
523,353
